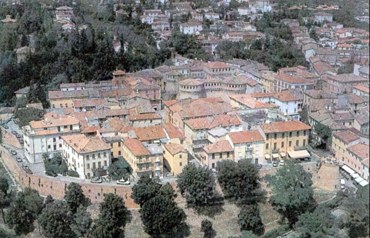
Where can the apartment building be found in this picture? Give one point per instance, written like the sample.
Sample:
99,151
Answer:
247,145
283,137
143,159
341,141
355,156
46,136
85,155
216,152
175,157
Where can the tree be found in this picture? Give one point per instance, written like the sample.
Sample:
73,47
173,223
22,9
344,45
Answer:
24,211
28,114
318,224
207,228
239,181
162,218
197,184
81,222
292,191
249,219
324,132
5,197
112,219
358,211
119,169
145,189
55,221
74,197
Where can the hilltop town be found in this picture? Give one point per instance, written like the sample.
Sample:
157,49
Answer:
228,118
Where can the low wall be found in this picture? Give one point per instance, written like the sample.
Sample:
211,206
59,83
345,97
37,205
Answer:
56,187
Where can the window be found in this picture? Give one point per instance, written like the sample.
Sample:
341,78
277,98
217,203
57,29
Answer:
147,166
290,143
304,133
94,165
213,156
297,142
139,159
228,154
88,166
275,136
213,165
99,164
54,139
48,146
304,142
119,144
119,152
180,163
290,134
267,146
220,155
283,135
60,145
87,157
297,133
99,155
93,156
282,144
275,146
105,163
267,136
180,156
55,147
105,154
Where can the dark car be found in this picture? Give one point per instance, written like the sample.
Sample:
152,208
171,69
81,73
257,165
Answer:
6,127
13,152
19,159
14,132
275,164
51,173
27,169
97,180
19,136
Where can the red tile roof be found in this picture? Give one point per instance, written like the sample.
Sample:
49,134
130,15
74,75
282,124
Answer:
172,131
150,133
82,144
174,148
218,147
284,126
245,137
361,150
136,147
346,136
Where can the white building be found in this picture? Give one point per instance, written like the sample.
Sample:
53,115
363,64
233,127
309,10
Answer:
191,27
86,154
45,136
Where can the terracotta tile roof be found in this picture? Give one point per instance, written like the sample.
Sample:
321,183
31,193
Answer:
191,82
287,96
245,137
150,133
226,120
199,123
361,150
89,102
174,148
136,147
346,136
347,78
217,65
82,144
285,126
345,116
292,79
172,131
218,147
170,103
65,121
144,116
362,88
202,108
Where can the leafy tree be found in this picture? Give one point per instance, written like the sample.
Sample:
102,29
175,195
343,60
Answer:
74,197
318,224
324,132
81,222
5,197
207,228
163,218
187,45
197,184
55,221
249,219
24,211
112,219
292,191
120,169
28,114
358,211
145,189
240,181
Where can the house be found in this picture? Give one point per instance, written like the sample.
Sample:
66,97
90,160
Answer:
192,27
341,141
361,91
8,20
343,83
217,69
143,159
145,119
64,14
85,155
175,158
212,16
281,138
318,99
247,145
354,157
46,136
285,81
321,17
216,152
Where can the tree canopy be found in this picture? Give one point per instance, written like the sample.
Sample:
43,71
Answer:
74,197
292,191
249,219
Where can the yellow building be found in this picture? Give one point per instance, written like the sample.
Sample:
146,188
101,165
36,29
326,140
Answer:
216,152
284,137
143,159
175,158
341,141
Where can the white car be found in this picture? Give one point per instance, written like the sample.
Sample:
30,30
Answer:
281,163
123,182
342,183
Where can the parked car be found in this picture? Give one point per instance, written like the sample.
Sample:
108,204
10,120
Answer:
6,127
259,166
281,163
123,182
19,159
342,184
19,136
14,132
27,169
97,180
51,173
13,152
275,164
